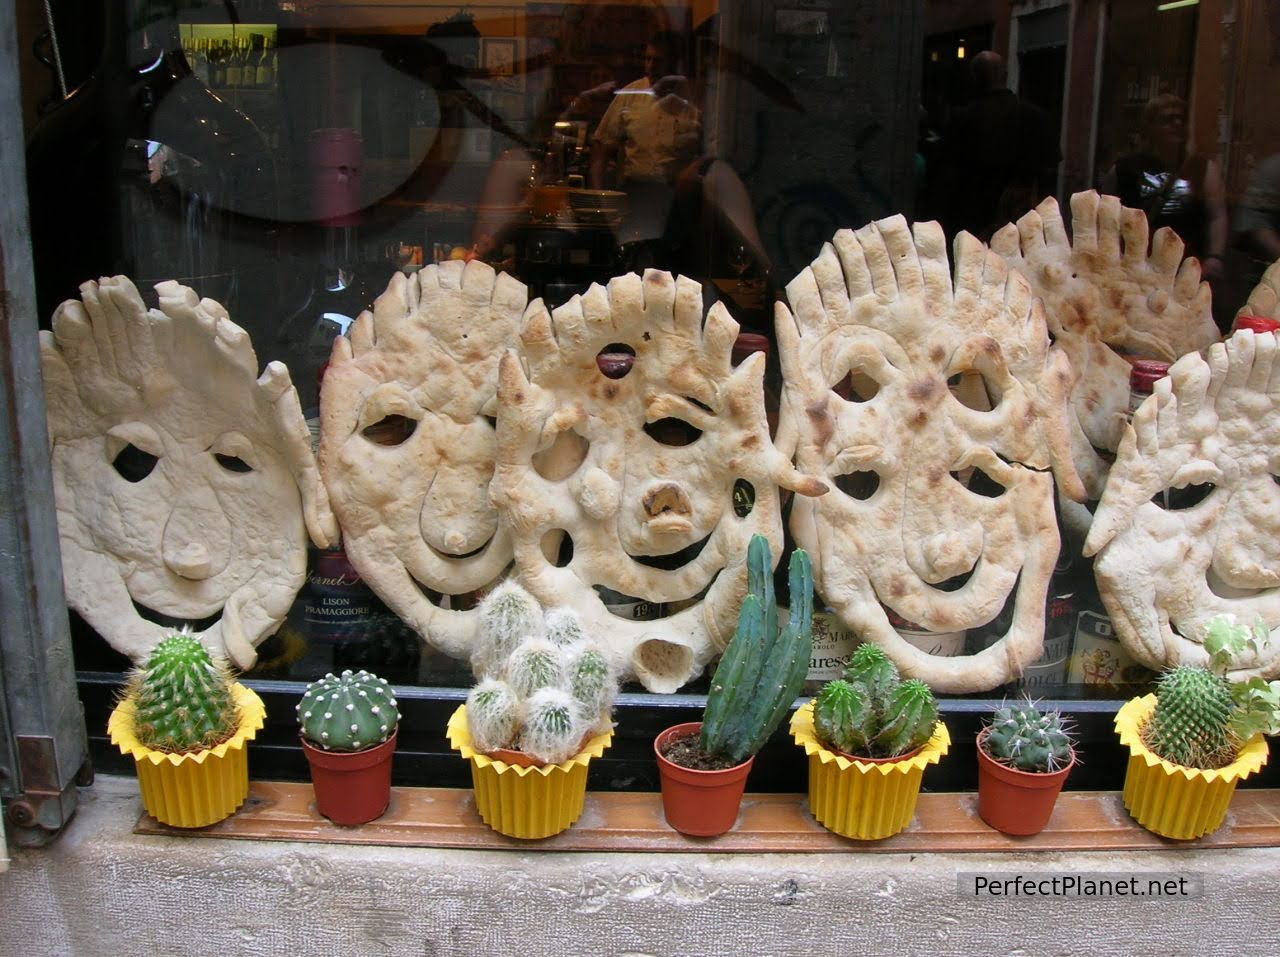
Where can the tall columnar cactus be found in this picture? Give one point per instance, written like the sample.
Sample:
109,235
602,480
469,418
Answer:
1191,724
1022,737
763,668
350,712
871,712
523,700
506,617
182,697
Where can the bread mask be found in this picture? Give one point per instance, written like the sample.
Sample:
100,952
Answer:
638,471
185,482
904,521
407,442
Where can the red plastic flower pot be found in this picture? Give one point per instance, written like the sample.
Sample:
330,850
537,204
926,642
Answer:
698,803
1016,802
352,787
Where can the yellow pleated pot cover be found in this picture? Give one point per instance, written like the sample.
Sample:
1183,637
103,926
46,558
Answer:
199,788
863,800
521,802
1169,799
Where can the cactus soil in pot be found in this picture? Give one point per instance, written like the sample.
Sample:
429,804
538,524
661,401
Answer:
349,725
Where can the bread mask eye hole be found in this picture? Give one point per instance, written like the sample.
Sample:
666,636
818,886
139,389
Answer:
133,464
980,483
390,430
232,463
974,390
860,485
1178,499
672,432
856,386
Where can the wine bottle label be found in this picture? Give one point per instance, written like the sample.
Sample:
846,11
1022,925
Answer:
338,604
626,606
1098,659
833,643
943,644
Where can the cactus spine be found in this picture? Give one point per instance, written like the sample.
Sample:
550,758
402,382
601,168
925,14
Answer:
349,712
539,694
1022,737
182,697
1191,724
871,712
763,668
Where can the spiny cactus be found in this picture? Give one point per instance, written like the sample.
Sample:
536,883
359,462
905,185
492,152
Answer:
494,715
871,712
350,712
762,669
182,697
1191,724
1022,737
564,627
520,704
591,680
506,617
553,726
535,663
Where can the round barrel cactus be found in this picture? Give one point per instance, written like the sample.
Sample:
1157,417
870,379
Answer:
182,697
353,711
1191,724
1021,737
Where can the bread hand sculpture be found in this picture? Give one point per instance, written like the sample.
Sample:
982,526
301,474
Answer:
1189,524
1106,289
407,442
910,525
638,471
185,482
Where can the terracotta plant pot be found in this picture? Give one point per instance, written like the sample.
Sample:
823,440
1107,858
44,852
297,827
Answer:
698,803
352,787
1016,802
198,788
1169,799
526,802
864,798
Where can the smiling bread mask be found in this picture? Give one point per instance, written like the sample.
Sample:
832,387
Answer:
185,482
942,508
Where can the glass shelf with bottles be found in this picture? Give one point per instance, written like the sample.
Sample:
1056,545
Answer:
239,58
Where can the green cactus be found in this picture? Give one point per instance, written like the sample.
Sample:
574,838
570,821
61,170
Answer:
350,712
842,715
1022,737
1191,724
871,712
535,663
506,617
182,697
564,627
553,726
762,669
591,681
494,715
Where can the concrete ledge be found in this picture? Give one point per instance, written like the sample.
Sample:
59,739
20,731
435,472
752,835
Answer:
103,889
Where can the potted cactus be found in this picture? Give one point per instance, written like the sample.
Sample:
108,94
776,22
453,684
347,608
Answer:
1024,757
540,712
349,725
1192,741
703,766
869,737
186,723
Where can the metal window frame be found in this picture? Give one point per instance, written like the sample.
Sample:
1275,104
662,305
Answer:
43,746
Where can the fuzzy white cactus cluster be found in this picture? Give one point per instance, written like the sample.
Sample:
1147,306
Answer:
544,684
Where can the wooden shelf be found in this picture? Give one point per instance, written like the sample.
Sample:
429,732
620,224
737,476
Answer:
616,821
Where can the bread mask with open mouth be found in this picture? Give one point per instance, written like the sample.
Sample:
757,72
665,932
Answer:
911,525
638,470
185,482
1189,524
407,442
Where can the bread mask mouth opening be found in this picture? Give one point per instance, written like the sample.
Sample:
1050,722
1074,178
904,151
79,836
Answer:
460,556
1220,588
657,611
156,617
673,560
